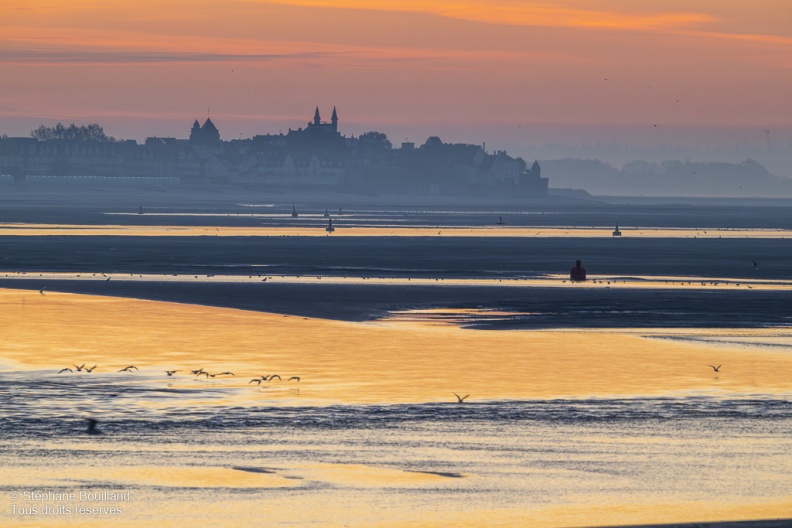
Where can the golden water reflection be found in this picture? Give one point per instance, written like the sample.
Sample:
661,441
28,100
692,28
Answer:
385,361
258,274
354,228
525,473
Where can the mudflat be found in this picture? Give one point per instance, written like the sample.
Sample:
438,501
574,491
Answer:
708,281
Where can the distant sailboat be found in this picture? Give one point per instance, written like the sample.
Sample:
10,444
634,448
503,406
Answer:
330,227
500,221
294,211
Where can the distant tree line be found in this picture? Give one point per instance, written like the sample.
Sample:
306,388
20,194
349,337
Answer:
376,140
92,132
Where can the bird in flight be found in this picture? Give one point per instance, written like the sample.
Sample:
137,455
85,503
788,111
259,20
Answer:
65,369
273,377
222,374
86,369
461,399
716,369
79,368
294,378
128,369
171,372
257,380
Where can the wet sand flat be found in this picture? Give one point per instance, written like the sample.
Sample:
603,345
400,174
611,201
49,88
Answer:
399,256
589,404
533,307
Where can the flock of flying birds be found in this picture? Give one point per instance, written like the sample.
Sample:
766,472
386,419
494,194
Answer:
201,372
258,380
197,372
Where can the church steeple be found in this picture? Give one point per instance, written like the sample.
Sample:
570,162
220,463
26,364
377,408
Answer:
195,132
318,129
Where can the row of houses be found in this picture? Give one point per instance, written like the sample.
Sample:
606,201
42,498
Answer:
317,155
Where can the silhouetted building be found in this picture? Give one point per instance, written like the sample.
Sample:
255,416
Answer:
317,127
317,155
204,135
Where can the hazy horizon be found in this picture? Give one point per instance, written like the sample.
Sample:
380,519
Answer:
769,152
535,80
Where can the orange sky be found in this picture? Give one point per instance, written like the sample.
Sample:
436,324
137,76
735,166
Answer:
467,70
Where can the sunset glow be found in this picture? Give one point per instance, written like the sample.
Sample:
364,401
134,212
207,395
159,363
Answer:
509,72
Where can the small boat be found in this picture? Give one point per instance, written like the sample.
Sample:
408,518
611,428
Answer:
294,211
330,227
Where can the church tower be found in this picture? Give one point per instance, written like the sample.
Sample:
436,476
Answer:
318,129
536,170
195,132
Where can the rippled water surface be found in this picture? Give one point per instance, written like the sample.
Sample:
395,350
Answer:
559,428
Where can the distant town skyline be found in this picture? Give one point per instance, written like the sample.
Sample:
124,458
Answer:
516,75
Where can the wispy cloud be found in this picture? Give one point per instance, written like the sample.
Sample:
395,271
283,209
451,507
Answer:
521,13
28,56
748,37
96,48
